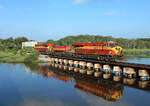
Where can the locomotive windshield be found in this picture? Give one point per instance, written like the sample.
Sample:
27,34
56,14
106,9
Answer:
113,45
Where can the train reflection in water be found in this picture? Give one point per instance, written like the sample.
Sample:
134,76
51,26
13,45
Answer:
107,86
107,90
103,92
50,74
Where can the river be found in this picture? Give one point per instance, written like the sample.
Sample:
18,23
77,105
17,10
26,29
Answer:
38,85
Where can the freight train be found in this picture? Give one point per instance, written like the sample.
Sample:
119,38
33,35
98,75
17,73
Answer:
107,51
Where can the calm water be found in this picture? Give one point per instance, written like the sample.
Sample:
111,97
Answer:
39,85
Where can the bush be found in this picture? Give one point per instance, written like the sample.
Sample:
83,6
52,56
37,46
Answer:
31,58
23,52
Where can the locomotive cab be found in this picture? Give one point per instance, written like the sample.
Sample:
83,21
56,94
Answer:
115,48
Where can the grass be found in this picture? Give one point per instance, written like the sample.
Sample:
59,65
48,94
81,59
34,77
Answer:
10,57
136,50
139,53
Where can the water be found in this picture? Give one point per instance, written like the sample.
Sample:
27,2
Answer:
38,85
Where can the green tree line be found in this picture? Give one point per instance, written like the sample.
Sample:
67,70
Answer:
11,43
139,43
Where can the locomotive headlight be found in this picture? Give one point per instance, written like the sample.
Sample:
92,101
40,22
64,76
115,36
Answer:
117,48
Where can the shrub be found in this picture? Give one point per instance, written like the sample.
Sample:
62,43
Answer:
31,58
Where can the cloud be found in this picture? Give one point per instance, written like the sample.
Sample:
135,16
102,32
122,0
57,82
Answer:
112,13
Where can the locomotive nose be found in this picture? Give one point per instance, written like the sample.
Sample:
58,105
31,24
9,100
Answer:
119,50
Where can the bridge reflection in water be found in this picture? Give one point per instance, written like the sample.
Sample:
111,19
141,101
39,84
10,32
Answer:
108,87
107,90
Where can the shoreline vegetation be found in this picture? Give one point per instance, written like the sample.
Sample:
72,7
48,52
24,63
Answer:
11,50
137,53
19,57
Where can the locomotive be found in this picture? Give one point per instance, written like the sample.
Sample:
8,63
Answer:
107,51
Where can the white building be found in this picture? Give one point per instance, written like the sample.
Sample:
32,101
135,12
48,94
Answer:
29,44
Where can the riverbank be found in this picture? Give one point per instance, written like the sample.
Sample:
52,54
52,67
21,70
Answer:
11,57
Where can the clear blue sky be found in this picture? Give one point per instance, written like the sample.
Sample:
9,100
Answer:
53,19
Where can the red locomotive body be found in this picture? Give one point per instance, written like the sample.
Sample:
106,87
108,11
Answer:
105,93
98,50
62,48
43,47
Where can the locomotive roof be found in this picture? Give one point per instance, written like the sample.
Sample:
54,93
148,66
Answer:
61,46
94,43
44,44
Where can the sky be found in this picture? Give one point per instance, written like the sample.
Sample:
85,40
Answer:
54,19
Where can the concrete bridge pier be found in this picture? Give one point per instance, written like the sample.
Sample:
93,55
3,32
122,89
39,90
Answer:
60,61
66,62
56,60
80,64
49,59
106,76
143,84
71,62
117,78
143,74
56,65
76,64
90,66
65,67
52,60
76,69
83,71
90,72
129,72
83,65
71,68
60,66
129,81
117,71
98,70
107,69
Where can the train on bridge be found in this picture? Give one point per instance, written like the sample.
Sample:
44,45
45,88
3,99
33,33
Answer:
106,51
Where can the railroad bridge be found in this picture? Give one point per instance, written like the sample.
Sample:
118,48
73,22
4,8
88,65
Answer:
112,82
107,68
